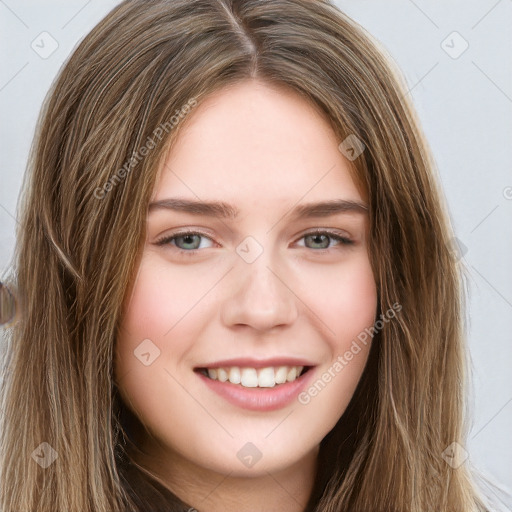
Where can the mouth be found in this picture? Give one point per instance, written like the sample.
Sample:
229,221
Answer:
251,377
260,385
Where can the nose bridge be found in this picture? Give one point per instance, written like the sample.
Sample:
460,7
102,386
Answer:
259,296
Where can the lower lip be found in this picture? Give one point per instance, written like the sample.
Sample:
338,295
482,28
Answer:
259,399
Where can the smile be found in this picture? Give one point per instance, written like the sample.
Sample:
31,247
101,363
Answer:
248,377
257,385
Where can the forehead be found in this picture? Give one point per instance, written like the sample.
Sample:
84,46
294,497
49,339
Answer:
254,143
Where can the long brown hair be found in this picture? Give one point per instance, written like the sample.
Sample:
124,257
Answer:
81,227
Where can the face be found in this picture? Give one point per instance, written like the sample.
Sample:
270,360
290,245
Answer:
234,349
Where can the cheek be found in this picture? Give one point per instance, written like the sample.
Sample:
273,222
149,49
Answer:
163,303
357,299
156,300
155,314
345,299
160,319
348,307
357,309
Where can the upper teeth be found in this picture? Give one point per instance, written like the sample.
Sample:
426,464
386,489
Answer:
252,377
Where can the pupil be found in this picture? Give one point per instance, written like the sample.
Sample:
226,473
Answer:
188,239
316,239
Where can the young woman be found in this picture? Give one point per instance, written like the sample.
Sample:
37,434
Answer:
234,280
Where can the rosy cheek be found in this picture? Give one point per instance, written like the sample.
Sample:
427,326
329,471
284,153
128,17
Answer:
361,301
148,311
161,309
139,319
353,304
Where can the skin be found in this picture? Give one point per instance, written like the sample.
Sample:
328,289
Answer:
264,150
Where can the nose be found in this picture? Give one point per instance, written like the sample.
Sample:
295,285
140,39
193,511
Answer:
260,298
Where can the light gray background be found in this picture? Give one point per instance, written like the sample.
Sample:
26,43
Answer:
464,103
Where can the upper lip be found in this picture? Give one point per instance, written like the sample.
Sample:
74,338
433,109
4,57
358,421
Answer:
258,363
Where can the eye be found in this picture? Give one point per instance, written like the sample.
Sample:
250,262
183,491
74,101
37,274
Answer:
322,239
185,242
190,241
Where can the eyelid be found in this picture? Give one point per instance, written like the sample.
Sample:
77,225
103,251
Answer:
163,240
343,239
326,231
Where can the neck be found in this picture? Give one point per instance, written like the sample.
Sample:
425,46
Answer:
286,490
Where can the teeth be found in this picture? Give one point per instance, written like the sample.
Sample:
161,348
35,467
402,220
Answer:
234,375
281,373
292,374
251,377
222,375
266,378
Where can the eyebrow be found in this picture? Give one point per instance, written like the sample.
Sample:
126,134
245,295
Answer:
218,209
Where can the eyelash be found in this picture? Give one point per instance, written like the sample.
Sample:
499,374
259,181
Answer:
166,239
